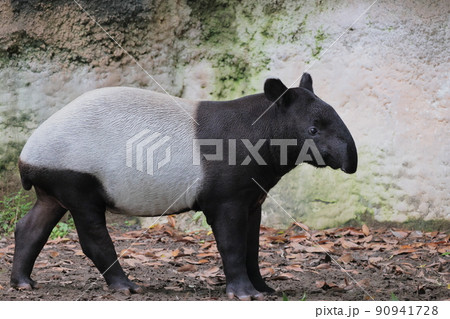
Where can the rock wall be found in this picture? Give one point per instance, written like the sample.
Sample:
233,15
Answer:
387,77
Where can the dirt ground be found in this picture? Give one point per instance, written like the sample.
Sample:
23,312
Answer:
360,264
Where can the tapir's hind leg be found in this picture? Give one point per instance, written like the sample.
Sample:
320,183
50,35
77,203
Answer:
31,234
98,246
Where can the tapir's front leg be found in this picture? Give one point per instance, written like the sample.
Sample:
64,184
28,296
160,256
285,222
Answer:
229,224
253,225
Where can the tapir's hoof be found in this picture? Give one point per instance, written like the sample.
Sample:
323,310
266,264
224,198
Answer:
129,291
255,295
24,284
127,288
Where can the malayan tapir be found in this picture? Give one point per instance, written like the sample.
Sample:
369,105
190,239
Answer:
79,160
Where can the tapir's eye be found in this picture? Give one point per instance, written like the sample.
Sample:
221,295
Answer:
313,130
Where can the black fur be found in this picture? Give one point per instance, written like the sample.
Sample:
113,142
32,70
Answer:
230,196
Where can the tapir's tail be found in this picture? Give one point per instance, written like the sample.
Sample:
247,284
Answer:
23,170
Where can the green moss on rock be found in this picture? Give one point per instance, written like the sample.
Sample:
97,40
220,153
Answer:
319,37
13,126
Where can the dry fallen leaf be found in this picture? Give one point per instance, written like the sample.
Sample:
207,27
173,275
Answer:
416,234
192,262
283,276
187,268
188,251
379,247
53,253
137,233
325,248
349,245
212,281
211,271
323,266
171,221
433,234
137,244
342,232
131,262
346,258
164,255
297,257
294,268
175,253
42,264
61,269
325,285
142,258
390,241
320,283
149,253
187,239
168,231
368,239
277,239
365,230
127,253
153,264
302,226
364,282
320,248
78,252
204,255
399,233
58,240
355,232
403,251
267,271
206,245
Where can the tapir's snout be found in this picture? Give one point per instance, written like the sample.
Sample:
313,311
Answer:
350,163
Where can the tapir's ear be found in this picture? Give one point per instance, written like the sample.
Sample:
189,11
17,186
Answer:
273,89
306,82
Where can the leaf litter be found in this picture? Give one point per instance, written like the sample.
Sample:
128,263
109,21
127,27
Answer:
333,264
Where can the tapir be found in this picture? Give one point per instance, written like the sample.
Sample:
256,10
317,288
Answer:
133,151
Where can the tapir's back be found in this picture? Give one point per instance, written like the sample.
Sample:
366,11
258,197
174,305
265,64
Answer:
136,142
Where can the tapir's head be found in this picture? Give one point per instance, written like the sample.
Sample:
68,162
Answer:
307,117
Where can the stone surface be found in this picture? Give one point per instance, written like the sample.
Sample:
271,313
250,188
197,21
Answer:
387,77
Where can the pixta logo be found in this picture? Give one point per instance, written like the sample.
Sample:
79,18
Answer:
253,151
142,150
